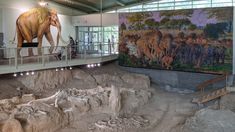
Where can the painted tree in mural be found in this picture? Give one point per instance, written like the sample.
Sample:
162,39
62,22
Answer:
185,13
214,30
151,23
222,16
192,27
183,20
136,19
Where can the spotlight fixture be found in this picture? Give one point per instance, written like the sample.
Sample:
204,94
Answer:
88,65
62,69
92,65
70,68
22,74
27,73
32,73
57,69
98,65
42,3
15,75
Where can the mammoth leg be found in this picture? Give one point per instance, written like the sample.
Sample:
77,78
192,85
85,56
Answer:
40,36
51,41
26,34
20,41
40,44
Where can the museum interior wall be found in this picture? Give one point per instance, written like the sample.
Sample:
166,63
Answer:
108,19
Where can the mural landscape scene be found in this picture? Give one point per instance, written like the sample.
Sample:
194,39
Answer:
196,40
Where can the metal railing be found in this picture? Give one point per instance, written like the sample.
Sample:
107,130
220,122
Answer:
61,55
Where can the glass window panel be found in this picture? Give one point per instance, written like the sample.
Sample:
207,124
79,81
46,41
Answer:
166,8
183,3
202,5
95,28
183,7
107,29
150,6
137,10
165,4
151,9
221,4
164,1
217,1
201,2
136,7
114,28
181,0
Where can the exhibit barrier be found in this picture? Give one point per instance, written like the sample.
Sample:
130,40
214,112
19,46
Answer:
30,58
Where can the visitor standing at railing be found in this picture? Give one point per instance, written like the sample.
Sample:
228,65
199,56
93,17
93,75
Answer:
112,42
72,47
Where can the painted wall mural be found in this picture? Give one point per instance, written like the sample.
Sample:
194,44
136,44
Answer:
36,23
196,40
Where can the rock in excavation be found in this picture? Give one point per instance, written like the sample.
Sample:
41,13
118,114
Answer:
106,80
137,81
27,98
85,79
208,120
12,125
228,102
115,100
47,79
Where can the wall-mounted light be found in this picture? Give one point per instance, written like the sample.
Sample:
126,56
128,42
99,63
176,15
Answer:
70,68
15,75
27,73
22,74
42,3
62,69
88,66
57,69
32,73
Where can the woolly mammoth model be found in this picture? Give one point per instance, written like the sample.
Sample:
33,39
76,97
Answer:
34,24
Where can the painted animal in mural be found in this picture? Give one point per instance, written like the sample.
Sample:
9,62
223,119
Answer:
36,23
148,45
165,48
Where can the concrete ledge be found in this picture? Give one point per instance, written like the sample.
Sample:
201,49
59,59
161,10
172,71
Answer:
176,79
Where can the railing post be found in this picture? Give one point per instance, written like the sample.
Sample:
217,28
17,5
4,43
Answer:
101,49
85,51
21,57
43,57
66,54
16,58
70,50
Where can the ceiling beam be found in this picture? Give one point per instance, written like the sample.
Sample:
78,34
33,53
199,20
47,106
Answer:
54,2
82,4
120,3
129,4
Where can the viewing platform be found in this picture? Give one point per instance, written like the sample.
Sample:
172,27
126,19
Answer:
63,57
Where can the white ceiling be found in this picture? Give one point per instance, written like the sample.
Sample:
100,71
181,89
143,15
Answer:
24,5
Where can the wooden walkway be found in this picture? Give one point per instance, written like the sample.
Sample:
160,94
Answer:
214,94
